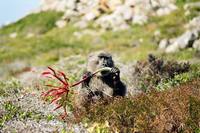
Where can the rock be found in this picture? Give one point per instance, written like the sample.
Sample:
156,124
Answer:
141,40
187,39
172,48
156,36
109,14
113,4
113,21
71,4
196,45
139,19
71,16
123,26
61,23
166,10
81,24
30,35
191,5
130,2
187,13
163,44
61,6
91,15
194,23
53,5
157,33
103,6
13,35
125,11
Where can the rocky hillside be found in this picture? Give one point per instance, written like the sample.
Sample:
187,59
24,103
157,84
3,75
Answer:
108,14
154,43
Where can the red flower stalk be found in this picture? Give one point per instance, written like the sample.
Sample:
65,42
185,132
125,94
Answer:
62,91
57,92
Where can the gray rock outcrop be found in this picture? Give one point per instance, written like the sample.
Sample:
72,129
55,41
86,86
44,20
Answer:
108,14
196,45
189,39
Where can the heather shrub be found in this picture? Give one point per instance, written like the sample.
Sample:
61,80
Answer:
148,74
174,110
179,79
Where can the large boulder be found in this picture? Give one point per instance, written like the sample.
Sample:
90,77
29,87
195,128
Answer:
164,44
172,48
186,40
194,23
61,23
196,45
192,5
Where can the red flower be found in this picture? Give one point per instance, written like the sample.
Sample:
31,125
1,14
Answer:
57,92
62,90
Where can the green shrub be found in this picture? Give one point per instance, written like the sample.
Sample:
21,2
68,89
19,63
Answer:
179,79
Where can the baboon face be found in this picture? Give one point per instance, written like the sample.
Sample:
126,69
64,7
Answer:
99,60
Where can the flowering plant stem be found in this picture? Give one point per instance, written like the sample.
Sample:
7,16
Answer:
60,93
93,74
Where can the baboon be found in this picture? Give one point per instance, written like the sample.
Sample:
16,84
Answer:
103,85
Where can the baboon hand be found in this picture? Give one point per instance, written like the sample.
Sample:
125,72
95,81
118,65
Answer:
116,73
115,70
88,75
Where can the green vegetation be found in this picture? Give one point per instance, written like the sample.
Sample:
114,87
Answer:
181,2
33,23
50,44
10,87
12,111
170,100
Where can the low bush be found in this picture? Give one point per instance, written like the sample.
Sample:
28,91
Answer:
148,74
174,110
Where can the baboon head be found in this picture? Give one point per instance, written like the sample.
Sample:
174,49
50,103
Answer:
99,60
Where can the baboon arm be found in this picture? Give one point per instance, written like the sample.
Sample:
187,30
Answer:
87,81
115,72
120,89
